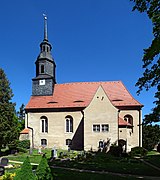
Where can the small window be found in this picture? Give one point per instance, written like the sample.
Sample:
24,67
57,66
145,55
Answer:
68,142
129,119
69,124
43,142
42,68
105,127
44,124
96,128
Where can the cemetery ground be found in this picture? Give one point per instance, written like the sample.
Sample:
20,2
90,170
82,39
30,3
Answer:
91,165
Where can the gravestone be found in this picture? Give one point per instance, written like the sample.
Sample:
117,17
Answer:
3,161
39,150
2,170
54,153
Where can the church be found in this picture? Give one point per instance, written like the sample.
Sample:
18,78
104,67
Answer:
81,115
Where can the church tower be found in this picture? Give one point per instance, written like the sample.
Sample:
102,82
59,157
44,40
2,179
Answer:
43,83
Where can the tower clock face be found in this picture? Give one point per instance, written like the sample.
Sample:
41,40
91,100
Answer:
42,82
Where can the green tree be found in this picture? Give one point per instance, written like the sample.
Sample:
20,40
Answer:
43,171
8,120
151,57
21,116
151,136
25,172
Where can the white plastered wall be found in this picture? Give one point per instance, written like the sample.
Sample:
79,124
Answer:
57,135
100,111
126,134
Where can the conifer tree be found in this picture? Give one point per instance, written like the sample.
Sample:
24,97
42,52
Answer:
43,171
8,120
26,171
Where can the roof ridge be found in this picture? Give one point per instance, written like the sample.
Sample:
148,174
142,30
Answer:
89,82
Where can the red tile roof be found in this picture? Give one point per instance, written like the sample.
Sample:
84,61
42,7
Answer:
122,122
25,131
80,95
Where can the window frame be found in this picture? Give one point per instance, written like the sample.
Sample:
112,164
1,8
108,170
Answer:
105,127
129,119
42,68
44,124
68,142
100,128
69,124
96,128
43,140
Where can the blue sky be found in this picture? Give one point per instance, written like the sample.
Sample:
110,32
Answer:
92,40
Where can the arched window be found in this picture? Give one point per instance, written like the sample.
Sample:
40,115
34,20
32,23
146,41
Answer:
43,48
129,119
42,68
43,142
69,124
44,124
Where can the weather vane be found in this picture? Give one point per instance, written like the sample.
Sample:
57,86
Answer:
45,27
45,16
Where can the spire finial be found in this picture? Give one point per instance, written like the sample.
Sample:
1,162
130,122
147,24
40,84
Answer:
45,27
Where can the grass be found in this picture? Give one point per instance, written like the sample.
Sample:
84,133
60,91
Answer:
153,153
104,162
61,174
153,157
34,158
99,162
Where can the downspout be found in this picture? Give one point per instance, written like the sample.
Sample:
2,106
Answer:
118,125
140,129
32,135
83,126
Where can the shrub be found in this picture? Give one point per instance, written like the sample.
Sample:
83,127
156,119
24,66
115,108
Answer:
158,148
138,151
8,176
43,170
25,144
21,149
12,145
19,145
25,171
116,150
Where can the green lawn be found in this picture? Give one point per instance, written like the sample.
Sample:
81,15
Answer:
153,157
99,162
104,162
34,158
62,174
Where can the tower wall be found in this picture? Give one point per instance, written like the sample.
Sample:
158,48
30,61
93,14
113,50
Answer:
42,90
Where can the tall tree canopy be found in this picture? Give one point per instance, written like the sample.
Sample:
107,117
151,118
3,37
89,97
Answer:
151,136
21,116
8,119
151,57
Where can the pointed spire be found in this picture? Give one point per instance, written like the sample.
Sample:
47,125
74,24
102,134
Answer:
45,27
